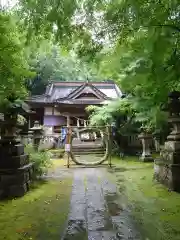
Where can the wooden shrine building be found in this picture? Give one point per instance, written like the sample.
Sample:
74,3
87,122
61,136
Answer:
64,103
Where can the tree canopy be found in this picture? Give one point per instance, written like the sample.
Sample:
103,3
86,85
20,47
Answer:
56,64
144,56
13,65
136,43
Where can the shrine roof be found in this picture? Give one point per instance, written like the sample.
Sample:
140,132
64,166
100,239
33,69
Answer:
67,92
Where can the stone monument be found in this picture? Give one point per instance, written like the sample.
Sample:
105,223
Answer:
145,138
167,167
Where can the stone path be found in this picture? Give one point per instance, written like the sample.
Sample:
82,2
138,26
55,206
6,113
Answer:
95,212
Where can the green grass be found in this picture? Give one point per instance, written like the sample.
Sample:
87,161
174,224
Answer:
41,214
155,209
59,150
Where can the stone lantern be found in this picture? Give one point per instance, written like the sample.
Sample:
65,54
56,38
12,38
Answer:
167,167
30,137
15,168
37,131
145,138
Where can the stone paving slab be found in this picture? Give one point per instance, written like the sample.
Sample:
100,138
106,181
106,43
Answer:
97,218
102,235
120,215
76,226
94,211
78,199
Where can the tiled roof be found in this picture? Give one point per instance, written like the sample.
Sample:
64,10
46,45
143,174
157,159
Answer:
61,91
79,101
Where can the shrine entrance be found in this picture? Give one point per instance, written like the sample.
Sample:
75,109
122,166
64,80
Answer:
88,145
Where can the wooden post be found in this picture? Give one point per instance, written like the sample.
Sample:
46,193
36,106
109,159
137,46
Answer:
29,123
78,126
109,132
68,144
85,125
78,123
68,121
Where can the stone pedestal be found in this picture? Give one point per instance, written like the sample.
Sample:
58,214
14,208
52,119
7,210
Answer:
157,144
146,154
167,167
15,169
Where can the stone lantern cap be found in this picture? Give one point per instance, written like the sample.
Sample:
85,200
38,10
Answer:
174,95
36,127
30,132
144,135
173,106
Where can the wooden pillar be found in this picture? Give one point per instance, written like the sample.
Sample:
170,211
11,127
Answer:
68,121
78,123
29,122
109,135
85,125
78,126
53,110
68,144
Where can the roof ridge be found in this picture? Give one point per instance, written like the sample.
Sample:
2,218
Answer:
38,96
80,88
82,82
74,90
71,91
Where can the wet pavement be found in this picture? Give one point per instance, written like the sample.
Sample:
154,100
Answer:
96,210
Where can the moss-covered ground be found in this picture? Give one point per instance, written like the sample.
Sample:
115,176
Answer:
154,208
42,213
39,215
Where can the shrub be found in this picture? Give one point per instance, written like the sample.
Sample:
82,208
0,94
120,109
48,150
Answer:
40,159
57,153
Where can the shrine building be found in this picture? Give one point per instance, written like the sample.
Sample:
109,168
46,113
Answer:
64,103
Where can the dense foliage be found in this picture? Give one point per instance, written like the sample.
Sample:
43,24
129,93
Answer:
13,64
136,43
54,63
144,56
41,160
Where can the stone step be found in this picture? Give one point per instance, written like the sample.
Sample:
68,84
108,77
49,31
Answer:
87,145
87,149
86,153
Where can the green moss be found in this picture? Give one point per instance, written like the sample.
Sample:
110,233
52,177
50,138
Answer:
41,214
156,210
56,150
